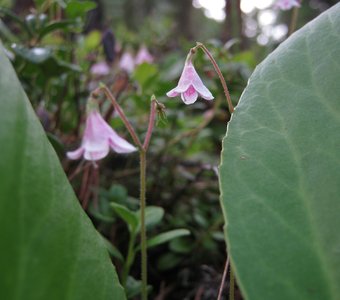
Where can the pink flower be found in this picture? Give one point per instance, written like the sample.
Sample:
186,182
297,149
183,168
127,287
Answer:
190,86
98,138
100,69
127,62
143,55
287,4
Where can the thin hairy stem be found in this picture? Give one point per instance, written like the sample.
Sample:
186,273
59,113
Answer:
293,20
122,115
225,271
151,122
142,153
219,73
232,284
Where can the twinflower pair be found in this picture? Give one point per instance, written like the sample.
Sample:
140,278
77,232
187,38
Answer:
99,136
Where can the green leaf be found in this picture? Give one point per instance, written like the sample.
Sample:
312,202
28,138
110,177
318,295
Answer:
6,33
36,55
77,8
168,261
166,237
49,247
280,170
128,216
144,73
134,287
112,249
11,15
181,245
57,25
43,61
92,40
153,215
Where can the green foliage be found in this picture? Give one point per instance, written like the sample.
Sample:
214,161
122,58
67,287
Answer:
75,8
166,236
49,248
280,170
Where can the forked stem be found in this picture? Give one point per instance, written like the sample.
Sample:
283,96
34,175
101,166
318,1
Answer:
142,155
121,114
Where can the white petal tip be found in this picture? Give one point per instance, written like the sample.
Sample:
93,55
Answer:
172,94
209,98
76,154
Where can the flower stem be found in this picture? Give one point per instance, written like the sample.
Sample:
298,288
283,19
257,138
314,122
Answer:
219,73
142,154
152,117
219,297
232,285
122,115
293,20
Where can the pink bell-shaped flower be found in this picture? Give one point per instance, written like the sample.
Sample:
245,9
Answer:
98,138
127,62
100,69
190,86
287,4
143,55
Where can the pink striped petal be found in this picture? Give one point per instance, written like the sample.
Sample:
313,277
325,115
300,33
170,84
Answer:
120,145
96,154
190,95
202,89
173,93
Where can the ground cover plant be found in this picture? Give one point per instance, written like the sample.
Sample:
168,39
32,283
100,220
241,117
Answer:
115,181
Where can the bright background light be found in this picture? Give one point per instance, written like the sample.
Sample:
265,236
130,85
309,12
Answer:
248,6
264,27
213,9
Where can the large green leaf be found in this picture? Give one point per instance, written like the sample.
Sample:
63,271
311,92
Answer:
49,248
280,172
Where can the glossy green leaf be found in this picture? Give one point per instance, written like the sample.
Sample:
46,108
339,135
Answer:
49,248
280,170
43,61
166,237
56,25
36,55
